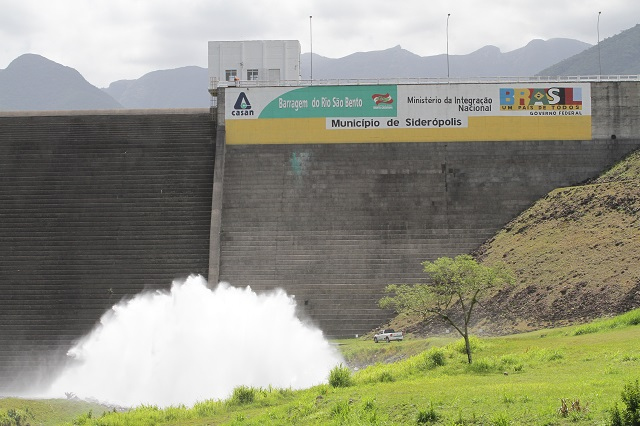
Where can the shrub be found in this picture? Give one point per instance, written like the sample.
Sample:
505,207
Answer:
550,355
285,392
82,419
483,366
243,395
631,399
586,329
500,419
428,360
633,317
508,399
437,357
13,417
206,408
322,389
340,377
509,359
460,345
341,410
369,404
427,416
385,376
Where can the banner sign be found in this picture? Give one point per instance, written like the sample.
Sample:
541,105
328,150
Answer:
408,113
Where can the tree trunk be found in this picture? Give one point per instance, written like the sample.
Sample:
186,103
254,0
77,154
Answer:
467,346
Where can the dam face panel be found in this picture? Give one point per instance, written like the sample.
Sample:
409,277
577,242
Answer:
335,224
93,209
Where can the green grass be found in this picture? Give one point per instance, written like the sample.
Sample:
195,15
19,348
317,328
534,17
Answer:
630,318
45,411
514,380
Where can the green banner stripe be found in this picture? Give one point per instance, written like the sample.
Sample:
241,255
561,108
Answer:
334,101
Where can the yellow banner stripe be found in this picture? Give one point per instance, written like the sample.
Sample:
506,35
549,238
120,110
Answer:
313,130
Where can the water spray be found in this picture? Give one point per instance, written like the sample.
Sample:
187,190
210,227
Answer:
193,344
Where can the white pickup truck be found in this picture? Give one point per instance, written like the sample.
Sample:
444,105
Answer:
388,335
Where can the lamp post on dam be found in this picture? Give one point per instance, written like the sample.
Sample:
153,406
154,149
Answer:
448,15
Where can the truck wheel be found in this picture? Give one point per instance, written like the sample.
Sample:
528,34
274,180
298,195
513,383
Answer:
375,340
387,339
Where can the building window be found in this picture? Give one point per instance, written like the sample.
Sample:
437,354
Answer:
252,75
230,75
274,74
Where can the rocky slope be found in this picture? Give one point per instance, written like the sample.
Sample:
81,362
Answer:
575,253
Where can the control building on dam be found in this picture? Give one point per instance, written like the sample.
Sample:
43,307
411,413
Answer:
330,192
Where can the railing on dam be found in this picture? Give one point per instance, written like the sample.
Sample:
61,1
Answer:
214,83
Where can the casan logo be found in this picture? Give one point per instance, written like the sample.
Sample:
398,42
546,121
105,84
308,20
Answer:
242,106
552,98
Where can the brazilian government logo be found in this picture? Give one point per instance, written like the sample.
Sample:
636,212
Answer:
550,99
242,106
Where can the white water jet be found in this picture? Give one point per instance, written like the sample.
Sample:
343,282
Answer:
192,344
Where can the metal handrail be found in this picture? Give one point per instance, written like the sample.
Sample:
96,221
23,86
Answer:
215,83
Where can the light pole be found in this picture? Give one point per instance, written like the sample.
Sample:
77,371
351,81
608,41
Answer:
599,60
448,15
311,44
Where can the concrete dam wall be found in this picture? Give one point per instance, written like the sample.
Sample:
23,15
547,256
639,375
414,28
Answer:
95,207
334,223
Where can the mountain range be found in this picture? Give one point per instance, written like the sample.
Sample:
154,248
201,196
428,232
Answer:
33,82
184,87
488,61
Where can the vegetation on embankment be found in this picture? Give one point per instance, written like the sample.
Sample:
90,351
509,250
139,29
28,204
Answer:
575,253
518,379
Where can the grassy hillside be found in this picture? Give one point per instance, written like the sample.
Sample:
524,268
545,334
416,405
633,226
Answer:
46,412
515,380
575,253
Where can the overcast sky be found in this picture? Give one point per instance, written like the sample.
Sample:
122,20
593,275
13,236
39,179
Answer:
109,40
